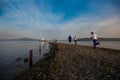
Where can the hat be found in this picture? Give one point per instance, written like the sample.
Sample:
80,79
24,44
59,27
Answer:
92,32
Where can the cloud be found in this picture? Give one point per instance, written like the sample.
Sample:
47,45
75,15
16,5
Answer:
27,18
109,27
24,18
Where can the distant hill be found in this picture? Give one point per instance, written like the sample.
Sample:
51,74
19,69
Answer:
100,39
79,39
20,39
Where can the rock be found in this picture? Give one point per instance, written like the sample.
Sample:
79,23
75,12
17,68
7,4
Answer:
25,59
45,54
18,59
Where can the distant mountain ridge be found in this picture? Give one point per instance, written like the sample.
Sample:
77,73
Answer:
20,39
100,39
79,39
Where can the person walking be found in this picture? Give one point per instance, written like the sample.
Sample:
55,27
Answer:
75,39
94,38
69,38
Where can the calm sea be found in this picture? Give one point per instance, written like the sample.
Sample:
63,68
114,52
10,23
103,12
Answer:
11,50
104,44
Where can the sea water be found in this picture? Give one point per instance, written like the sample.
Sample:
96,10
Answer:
11,50
104,44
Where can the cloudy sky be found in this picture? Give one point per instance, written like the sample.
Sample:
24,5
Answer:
59,18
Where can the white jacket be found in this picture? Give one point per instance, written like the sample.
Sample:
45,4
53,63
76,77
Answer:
94,36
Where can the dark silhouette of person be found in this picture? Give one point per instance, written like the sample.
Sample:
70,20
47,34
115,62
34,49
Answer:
69,38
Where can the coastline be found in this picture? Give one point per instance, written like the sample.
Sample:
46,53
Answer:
67,61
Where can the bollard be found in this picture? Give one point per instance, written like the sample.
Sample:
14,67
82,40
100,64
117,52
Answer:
30,58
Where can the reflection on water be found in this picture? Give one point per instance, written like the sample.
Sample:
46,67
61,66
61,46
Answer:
42,48
42,44
11,50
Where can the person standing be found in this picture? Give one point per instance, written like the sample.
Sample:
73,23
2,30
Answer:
75,39
69,38
94,38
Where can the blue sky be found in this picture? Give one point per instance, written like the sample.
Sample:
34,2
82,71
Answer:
59,18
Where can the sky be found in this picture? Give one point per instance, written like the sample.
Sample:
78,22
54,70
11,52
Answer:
59,18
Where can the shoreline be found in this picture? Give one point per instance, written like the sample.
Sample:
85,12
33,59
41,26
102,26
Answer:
67,61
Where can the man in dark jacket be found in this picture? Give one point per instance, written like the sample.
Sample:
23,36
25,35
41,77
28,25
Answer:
70,38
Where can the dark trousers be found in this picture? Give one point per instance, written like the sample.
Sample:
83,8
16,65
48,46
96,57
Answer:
69,41
95,42
75,42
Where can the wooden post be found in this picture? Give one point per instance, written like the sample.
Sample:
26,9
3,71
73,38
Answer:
30,58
